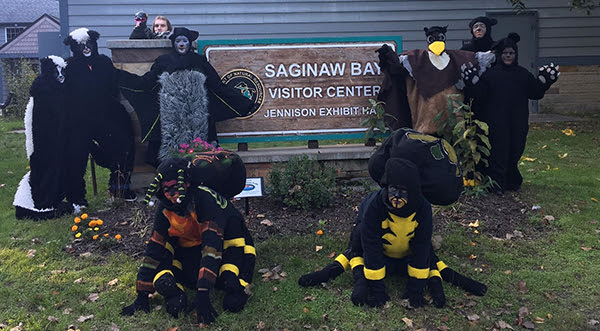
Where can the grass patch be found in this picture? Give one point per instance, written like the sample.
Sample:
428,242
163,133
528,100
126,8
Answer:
51,289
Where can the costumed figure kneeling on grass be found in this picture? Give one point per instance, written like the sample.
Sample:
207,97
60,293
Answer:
181,98
97,123
393,229
199,239
417,82
41,191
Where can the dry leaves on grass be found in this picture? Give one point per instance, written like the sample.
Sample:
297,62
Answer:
522,286
275,273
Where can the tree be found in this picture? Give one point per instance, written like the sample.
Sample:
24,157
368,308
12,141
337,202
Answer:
587,5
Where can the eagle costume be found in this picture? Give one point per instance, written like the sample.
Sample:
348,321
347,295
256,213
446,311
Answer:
416,84
181,98
41,191
96,121
199,241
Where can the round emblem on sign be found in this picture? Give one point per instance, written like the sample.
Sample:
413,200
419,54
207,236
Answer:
248,84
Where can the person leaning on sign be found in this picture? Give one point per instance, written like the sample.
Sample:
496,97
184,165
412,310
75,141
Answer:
190,95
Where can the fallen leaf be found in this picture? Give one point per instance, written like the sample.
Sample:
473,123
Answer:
529,325
586,248
266,222
568,132
522,286
539,320
67,311
275,289
260,216
325,317
474,224
528,159
549,316
305,310
31,253
563,156
503,325
443,328
52,319
260,325
82,319
472,257
508,272
86,254
263,270
113,282
473,318
175,328
543,147
332,254
92,297
444,319
113,327
593,322
318,248
549,218
594,199
78,280
408,322
309,298
523,312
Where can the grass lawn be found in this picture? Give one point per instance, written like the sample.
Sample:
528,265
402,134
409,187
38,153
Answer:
549,280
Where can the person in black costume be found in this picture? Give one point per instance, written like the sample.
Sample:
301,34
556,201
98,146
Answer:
199,241
188,94
504,92
41,191
481,30
95,120
392,235
141,30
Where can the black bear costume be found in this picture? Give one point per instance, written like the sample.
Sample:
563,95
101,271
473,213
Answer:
503,92
181,98
97,123
392,235
141,30
199,240
478,25
41,191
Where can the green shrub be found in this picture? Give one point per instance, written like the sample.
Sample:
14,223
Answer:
19,75
302,183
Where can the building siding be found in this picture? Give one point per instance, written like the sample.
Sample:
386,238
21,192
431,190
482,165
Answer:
562,32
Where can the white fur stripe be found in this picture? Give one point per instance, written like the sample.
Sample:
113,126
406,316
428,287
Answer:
23,196
29,127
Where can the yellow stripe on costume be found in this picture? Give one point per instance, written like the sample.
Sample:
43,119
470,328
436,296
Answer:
343,260
249,250
418,273
180,287
243,283
374,274
177,264
160,274
441,265
170,248
229,267
356,261
434,273
237,242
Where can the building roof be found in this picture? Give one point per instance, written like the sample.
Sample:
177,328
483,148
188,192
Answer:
27,41
25,11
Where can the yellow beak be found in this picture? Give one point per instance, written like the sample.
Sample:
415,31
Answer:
437,47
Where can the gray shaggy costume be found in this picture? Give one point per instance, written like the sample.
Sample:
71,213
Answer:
184,109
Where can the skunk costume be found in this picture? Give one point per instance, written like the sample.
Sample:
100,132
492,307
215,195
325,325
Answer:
97,123
188,99
421,79
141,30
503,92
41,190
478,26
199,240
392,235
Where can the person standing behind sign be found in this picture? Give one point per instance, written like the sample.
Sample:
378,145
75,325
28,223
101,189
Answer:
190,94
162,27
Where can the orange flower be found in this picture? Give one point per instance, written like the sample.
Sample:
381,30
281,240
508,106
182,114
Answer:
84,216
74,228
99,222
106,234
77,220
320,232
92,224
118,237
95,237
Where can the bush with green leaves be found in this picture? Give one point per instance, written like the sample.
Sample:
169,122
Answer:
302,183
469,137
376,120
19,75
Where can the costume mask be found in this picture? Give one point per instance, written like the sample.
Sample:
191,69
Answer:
182,44
436,38
402,189
397,196
171,185
83,42
508,56
140,17
479,29
52,66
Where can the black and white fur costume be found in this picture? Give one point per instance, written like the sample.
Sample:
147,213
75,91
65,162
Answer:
97,123
41,191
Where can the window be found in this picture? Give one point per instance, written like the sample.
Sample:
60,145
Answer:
12,32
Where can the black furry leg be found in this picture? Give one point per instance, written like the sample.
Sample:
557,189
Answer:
175,299
470,285
360,293
436,291
331,271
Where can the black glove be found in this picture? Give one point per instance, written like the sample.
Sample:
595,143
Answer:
377,295
383,53
415,297
437,291
204,310
548,74
469,74
140,303
176,304
360,293
235,297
